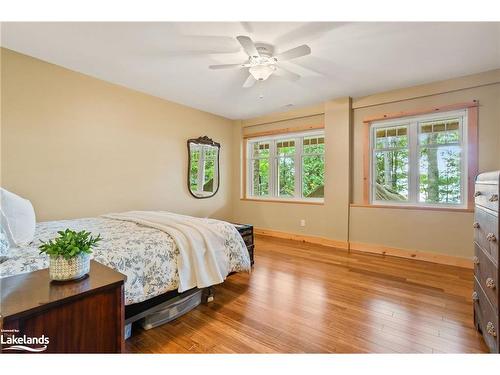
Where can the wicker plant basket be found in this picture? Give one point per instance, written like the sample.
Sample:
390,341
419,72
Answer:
69,269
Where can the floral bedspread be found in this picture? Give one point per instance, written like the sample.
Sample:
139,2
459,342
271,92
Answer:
147,256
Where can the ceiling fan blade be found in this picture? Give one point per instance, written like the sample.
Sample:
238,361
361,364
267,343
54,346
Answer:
248,45
293,53
226,66
250,81
282,72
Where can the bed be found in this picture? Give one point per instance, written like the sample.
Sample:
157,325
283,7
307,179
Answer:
146,252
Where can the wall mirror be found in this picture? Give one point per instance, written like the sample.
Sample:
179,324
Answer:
203,167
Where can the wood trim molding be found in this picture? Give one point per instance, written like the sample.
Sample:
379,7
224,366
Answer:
472,152
360,247
296,129
302,238
425,256
409,207
366,163
289,201
444,108
244,168
472,147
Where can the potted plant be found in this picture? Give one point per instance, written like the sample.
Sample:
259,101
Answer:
69,254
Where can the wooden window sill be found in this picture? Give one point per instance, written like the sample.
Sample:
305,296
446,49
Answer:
315,203
423,208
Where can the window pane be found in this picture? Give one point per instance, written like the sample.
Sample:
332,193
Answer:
286,147
313,177
261,177
193,172
260,150
391,173
286,176
393,137
314,145
208,177
440,170
439,132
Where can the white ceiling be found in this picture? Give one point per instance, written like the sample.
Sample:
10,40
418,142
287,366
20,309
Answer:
170,60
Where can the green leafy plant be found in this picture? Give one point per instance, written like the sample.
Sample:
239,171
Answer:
69,244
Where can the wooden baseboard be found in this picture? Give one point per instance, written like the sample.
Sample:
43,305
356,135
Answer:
303,238
425,256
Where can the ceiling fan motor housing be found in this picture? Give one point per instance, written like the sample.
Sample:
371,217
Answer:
264,49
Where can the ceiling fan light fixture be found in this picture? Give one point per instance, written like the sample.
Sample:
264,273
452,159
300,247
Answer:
262,72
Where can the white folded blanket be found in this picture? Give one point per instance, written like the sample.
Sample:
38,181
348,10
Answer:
202,261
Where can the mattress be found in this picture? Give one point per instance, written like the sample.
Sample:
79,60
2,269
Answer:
147,256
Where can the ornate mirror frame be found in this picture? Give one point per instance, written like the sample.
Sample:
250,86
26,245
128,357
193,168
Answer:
203,141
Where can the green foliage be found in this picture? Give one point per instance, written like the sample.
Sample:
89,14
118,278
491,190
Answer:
313,177
286,170
209,169
193,169
69,244
261,177
439,165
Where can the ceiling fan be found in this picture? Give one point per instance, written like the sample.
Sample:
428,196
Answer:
262,62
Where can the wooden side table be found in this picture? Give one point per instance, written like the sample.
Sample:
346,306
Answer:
83,316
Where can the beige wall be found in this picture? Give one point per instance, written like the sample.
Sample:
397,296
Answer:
329,220
77,146
431,231
443,232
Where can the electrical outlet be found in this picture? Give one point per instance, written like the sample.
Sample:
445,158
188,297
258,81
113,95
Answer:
302,223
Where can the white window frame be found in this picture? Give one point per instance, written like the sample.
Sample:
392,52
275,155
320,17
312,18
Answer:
273,166
412,124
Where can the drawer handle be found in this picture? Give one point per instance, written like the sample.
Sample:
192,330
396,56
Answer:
475,297
491,237
477,194
475,225
490,328
475,260
493,198
490,283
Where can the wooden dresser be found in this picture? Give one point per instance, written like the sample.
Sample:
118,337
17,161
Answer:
81,316
486,281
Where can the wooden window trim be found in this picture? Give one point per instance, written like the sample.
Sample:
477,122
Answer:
472,151
411,207
289,201
297,129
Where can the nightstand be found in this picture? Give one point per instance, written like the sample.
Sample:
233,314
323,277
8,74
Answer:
81,316
246,232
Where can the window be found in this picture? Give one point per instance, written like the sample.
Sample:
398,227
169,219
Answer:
420,160
287,167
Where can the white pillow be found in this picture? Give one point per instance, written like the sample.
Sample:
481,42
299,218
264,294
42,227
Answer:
17,218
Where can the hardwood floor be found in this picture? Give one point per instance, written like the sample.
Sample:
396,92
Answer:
308,298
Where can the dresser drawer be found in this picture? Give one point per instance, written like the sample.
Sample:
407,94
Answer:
486,273
486,232
485,317
487,196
